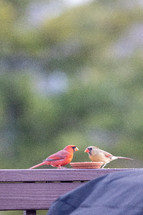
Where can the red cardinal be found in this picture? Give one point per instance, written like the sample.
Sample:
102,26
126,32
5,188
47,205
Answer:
98,155
60,158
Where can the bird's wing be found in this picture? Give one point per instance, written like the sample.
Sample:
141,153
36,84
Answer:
58,156
107,154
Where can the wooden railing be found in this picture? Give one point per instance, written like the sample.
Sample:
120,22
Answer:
31,190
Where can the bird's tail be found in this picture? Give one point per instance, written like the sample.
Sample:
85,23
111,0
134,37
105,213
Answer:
40,164
126,158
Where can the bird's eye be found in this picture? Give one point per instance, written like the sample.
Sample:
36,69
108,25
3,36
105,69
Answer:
90,149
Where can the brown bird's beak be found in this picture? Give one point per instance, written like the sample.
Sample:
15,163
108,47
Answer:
86,150
76,149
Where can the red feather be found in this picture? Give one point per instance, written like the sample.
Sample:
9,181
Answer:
60,158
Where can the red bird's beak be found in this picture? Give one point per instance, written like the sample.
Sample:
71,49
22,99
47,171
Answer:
86,150
76,149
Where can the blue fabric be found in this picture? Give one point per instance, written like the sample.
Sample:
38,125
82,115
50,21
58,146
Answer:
114,194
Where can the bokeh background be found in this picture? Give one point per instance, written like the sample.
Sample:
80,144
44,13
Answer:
71,72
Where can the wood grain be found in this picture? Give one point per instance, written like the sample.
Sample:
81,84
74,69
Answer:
32,190
54,174
30,196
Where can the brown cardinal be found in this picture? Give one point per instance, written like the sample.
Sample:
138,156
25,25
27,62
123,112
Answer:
60,158
98,155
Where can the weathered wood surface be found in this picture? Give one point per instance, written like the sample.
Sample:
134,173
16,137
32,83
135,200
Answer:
33,190
24,196
54,174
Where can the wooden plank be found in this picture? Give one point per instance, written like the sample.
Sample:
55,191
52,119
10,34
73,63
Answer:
32,196
54,174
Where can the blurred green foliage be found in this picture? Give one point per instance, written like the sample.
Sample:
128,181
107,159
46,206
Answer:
96,49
